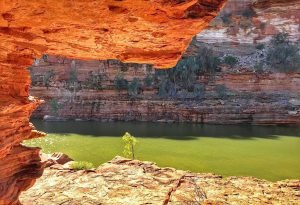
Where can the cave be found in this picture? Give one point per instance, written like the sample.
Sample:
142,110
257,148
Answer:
155,32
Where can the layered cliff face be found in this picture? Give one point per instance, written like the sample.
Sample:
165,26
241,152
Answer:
253,22
92,90
156,31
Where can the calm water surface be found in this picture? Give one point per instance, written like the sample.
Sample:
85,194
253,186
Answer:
271,153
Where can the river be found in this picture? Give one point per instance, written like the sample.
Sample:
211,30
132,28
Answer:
267,152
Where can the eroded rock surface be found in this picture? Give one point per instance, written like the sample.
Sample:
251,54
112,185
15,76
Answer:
249,97
155,31
123,181
253,21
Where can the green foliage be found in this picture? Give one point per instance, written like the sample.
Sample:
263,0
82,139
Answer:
94,81
148,80
209,61
259,67
280,38
48,76
183,76
133,87
283,55
73,80
165,87
199,90
54,106
221,91
260,46
129,144
120,82
230,60
81,165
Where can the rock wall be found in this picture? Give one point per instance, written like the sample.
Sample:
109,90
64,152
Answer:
124,181
247,96
253,22
140,31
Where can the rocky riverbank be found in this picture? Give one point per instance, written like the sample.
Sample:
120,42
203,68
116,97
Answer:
124,181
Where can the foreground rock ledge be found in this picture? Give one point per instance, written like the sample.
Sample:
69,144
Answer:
123,181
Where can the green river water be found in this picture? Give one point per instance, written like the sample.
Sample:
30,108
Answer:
271,153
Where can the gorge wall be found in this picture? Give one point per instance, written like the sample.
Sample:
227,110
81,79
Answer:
156,32
224,97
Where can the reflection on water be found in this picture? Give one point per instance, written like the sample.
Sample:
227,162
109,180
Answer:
269,152
179,131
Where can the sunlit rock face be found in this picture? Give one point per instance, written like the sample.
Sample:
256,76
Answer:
253,21
124,181
154,31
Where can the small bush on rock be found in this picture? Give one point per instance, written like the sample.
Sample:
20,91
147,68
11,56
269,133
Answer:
129,144
283,55
81,165
230,60
221,91
120,82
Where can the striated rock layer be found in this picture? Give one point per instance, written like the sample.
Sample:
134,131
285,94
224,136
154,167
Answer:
155,31
123,181
253,21
256,98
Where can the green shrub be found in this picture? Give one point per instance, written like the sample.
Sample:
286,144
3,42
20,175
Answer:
259,67
93,81
73,80
199,90
260,46
129,144
283,55
280,38
166,88
133,87
221,91
148,80
54,106
208,60
81,165
120,82
230,60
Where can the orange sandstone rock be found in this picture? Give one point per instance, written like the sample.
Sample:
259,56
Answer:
155,31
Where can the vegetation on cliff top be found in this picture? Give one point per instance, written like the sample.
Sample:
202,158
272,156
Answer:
283,55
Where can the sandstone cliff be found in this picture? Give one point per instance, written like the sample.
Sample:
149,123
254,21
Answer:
225,97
